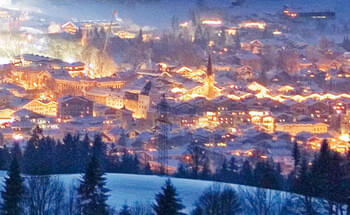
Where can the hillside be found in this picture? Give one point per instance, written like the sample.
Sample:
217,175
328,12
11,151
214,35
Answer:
128,188
159,13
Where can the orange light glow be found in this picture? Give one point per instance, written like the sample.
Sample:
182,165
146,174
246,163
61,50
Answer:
211,22
276,32
231,31
253,24
184,24
17,137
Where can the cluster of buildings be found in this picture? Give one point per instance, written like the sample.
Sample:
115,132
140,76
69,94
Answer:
260,88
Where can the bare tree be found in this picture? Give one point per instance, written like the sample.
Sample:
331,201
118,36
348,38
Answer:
308,205
287,61
71,202
198,157
45,195
259,201
140,208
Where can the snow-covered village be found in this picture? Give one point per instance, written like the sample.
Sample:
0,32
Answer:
161,107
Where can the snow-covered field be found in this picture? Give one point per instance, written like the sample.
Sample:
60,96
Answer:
128,188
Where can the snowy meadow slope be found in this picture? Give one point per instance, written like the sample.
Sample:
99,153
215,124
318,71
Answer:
129,189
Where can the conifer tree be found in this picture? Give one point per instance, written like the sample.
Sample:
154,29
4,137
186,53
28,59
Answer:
197,211
136,165
320,170
264,175
246,174
4,158
303,185
206,172
224,172
139,38
99,151
233,168
147,170
127,164
83,153
69,153
182,171
13,191
125,210
16,153
92,194
167,201
232,164
30,157
296,155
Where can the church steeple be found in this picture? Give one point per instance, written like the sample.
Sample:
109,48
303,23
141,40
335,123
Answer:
210,79
209,67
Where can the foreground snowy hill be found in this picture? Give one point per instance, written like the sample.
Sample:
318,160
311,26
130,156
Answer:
129,189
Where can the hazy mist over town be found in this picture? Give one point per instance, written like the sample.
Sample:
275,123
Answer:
174,107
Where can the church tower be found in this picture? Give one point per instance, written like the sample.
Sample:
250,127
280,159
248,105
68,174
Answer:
210,79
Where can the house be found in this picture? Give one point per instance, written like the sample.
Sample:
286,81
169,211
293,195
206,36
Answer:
298,127
244,72
325,64
25,115
299,108
124,116
43,107
5,97
249,59
304,63
186,120
74,69
254,46
320,110
70,28
184,108
74,106
98,95
6,115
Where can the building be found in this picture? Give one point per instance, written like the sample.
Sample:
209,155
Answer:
136,101
207,89
74,106
210,79
98,95
115,100
31,77
263,119
295,128
345,123
70,28
43,107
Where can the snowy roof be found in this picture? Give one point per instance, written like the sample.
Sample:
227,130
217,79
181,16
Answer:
247,56
26,113
67,98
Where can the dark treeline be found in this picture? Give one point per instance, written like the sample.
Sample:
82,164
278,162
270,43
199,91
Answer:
326,176
46,195
45,155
